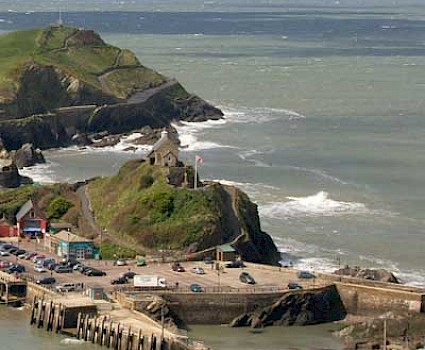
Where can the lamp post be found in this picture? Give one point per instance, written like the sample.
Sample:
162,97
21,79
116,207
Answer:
67,250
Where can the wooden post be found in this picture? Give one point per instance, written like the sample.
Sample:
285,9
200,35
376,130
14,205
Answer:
86,327
129,340
109,334
78,325
139,336
33,308
102,332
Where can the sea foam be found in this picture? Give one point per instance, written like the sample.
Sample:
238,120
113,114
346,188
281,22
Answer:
312,206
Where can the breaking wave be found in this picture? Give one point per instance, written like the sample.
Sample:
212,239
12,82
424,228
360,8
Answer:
258,115
312,206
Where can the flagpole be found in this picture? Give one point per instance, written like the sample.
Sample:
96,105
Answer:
195,180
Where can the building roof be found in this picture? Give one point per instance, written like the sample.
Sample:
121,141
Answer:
226,248
66,236
26,208
158,144
60,225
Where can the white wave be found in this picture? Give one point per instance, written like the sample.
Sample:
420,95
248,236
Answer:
258,115
41,173
190,133
312,206
71,341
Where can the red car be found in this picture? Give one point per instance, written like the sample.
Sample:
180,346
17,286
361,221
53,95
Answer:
178,267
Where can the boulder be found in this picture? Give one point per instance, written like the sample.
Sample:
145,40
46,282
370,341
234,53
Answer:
380,275
27,156
297,308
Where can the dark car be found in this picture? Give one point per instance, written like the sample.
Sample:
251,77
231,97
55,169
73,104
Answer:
16,268
129,274
294,285
95,272
208,260
235,264
305,275
178,267
196,288
63,269
119,280
18,252
245,277
46,281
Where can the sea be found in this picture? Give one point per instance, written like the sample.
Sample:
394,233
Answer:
323,128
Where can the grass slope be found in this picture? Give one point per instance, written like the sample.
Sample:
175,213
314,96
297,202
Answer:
86,62
139,205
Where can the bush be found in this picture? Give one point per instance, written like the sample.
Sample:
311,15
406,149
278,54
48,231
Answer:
58,207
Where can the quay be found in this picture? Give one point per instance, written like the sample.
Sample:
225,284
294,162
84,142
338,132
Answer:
120,320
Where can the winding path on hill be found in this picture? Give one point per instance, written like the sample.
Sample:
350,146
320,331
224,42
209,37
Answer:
88,215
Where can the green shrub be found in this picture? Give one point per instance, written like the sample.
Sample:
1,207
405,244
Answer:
58,207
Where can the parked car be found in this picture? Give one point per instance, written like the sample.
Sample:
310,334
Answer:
63,269
66,287
208,260
4,253
129,274
30,255
119,280
40,268
235,264
16,268
294,285
95,272
178,267
46,281
198,270
121,262
305,275
196,288
140,262
5,264
38,257
245,277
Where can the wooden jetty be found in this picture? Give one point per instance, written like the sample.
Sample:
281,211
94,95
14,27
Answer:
13,289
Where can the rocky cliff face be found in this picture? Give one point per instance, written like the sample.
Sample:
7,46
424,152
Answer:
298,308
369,274
239,224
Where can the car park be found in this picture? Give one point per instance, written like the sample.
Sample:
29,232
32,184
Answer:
198,270
305,275
46,281
245,277
119,280
196,288
294,285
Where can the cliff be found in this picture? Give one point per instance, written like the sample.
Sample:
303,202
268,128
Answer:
59,82
140,206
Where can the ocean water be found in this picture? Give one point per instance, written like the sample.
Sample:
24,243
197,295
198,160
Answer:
324,114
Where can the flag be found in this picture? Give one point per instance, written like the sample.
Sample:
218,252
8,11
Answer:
199,159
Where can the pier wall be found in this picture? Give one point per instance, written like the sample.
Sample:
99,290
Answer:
367,297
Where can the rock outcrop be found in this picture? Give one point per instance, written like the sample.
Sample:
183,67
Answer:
369,274
27,156
9,175
297,308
